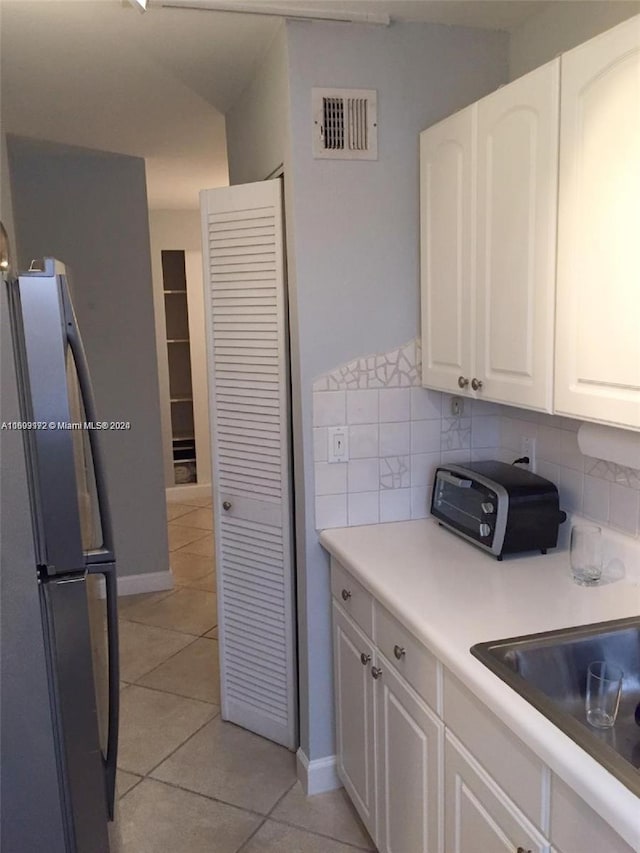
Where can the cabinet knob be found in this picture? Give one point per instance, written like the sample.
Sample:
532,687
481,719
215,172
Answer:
476,384
462,381
399,652
346,594
226,505
364,658
376,672
522,850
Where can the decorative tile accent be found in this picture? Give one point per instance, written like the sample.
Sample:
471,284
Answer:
455,434
395,472
600,490
400,368
400,432
629,477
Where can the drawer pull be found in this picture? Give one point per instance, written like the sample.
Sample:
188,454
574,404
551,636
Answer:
376,672
346,594
522,850
399,652
364,658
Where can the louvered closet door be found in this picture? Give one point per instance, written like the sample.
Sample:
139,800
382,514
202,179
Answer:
249,402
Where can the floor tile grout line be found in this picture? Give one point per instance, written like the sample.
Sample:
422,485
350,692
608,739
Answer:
319,834
211,799
135,784
168,693
203,535
162,627
147,775
243,846
201,531
180,521
166,660
178,695
191,585
167,593
281,798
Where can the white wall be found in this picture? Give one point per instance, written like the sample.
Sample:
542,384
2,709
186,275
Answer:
355,285
352,231
89,209
180,229
258,124
561,26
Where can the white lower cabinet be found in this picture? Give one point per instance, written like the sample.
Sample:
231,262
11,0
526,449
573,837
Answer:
478,816
456,781
409,748
352,656
389,745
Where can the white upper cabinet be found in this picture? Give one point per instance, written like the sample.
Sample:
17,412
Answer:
446,191
488,229
515,263
598,300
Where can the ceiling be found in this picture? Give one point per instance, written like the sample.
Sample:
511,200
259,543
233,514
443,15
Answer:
99,74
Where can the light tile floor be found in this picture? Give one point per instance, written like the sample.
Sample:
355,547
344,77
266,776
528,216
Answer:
188,782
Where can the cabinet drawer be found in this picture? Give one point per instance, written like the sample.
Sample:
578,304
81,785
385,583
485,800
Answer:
575,827
514,766
478,815
411,659
352,597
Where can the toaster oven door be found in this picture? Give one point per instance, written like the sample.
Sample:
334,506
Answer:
470,507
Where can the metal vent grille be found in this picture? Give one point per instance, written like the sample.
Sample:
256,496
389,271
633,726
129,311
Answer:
345,124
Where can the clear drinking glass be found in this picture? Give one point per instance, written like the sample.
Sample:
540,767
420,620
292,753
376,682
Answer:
586,554
604,684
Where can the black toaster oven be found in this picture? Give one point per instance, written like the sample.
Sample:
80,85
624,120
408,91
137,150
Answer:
501,508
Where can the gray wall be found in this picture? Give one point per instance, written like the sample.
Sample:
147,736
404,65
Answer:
89,209
352,230
28,768
561,26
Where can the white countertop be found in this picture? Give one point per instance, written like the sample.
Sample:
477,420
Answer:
451,595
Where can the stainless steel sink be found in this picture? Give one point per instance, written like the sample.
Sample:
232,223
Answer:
550,671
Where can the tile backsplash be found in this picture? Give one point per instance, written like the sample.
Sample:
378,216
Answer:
399,433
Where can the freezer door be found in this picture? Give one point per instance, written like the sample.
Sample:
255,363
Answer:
67,482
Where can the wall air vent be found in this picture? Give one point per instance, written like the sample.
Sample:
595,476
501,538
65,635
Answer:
345,124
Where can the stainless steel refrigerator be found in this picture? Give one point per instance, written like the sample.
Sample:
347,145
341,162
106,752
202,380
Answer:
75,565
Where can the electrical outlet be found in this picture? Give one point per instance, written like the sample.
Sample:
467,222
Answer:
338,444
528,448
457,407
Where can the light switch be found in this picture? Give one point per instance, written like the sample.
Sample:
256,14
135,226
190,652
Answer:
338,444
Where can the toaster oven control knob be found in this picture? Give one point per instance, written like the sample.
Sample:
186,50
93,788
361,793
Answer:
487,508
462,381
485,530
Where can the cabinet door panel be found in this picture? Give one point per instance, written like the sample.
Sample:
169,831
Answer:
478,816
409,743
446,222
598,312
354,689
516,210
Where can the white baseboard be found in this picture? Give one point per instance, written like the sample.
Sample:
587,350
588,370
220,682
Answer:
189,490
149,582
317,776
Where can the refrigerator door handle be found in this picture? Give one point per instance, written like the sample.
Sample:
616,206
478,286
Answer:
108,570
86,388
